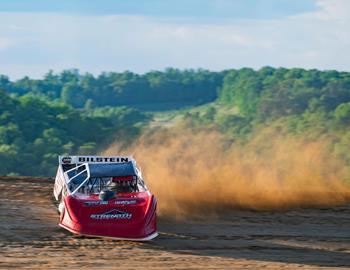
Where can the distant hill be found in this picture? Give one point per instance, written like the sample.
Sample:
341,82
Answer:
167,89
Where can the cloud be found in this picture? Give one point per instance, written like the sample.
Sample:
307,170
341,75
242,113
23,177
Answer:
333,10
5,43
33,43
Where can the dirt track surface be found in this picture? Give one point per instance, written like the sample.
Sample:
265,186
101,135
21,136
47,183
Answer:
308,239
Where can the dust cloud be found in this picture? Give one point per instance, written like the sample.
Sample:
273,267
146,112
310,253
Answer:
201,172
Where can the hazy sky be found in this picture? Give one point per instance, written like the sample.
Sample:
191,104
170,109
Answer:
143,35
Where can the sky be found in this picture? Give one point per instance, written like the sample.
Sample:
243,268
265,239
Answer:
143,35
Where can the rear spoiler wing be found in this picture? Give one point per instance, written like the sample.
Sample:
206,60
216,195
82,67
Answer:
63,160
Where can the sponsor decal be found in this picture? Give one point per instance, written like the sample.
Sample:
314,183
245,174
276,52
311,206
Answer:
93,159
66,160
102,159
126,202
93,203
113,214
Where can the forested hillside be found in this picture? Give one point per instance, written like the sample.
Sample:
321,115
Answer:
70,113
273,93
33,131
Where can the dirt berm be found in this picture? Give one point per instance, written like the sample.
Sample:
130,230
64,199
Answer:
304,238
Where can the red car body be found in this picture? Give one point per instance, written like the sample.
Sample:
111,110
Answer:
128,215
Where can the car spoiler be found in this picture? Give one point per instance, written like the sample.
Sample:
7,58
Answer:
63,160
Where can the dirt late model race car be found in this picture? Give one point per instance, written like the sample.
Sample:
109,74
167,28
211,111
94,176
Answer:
104,196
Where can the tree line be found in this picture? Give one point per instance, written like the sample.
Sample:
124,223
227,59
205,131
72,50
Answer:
121,89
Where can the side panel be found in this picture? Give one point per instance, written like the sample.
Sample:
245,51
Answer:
59,183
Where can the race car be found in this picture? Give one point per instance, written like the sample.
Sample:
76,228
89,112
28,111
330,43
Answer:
104,196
